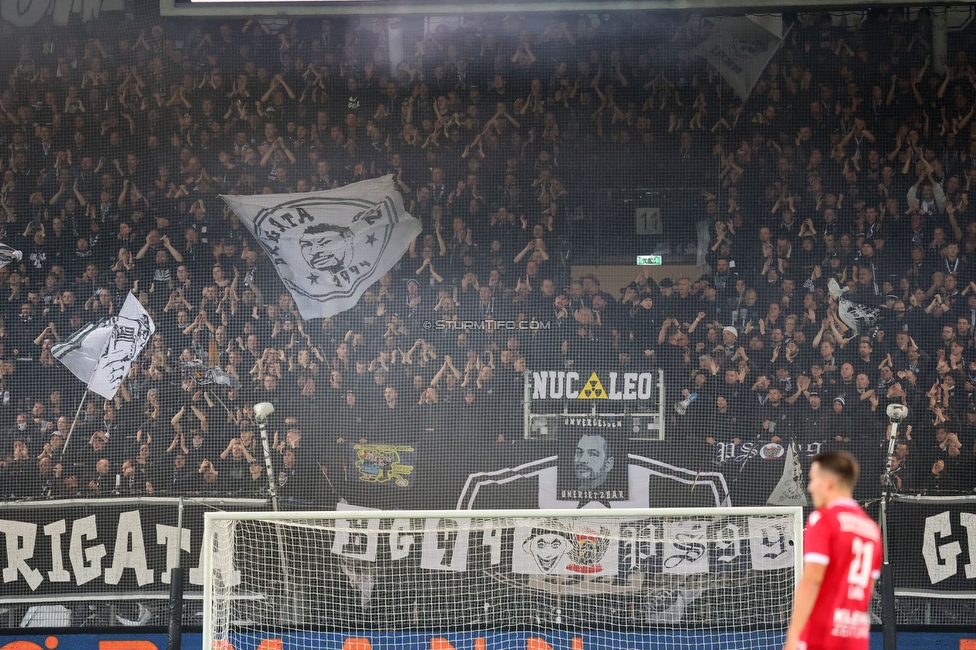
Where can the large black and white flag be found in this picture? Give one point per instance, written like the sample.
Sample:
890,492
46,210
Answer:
329,247
8,255
101,354
860,318
740,49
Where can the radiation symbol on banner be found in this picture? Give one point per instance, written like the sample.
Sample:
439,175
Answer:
593,389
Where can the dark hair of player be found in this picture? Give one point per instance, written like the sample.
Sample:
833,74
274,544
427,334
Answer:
841,464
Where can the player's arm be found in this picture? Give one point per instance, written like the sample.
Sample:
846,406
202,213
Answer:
806,596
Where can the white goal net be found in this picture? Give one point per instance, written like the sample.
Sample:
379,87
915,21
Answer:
534,580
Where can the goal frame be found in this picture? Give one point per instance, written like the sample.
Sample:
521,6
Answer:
285,516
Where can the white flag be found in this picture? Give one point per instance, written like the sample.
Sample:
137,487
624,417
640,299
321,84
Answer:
790,491
102,354
8,255
740,49
329,247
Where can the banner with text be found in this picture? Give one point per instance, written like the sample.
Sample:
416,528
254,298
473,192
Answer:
81,548
593,384
933,545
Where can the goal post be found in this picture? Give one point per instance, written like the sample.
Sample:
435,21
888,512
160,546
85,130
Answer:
688,578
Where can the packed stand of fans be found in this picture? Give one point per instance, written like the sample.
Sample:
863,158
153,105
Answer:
852,160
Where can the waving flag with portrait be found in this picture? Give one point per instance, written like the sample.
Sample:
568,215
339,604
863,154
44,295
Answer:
329,247
102,353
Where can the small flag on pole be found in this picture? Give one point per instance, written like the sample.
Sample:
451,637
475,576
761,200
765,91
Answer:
205,375
329,247
101,354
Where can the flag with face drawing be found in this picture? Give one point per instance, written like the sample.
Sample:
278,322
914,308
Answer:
101,354
329,247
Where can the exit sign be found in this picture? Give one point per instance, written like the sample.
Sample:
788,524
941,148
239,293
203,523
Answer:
649,260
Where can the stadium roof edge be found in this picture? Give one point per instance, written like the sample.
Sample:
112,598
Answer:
244,8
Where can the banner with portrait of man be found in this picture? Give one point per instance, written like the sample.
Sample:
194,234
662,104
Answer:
592,466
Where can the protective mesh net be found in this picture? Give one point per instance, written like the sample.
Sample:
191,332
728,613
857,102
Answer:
594,577
515,356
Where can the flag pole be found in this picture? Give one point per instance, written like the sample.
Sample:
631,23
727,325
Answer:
217,397
83,398
81,404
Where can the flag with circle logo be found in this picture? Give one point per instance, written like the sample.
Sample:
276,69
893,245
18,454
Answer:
329,247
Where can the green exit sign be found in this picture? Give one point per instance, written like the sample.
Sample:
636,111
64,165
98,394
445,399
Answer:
648,260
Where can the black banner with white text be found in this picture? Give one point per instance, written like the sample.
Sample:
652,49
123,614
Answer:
932,545
82,548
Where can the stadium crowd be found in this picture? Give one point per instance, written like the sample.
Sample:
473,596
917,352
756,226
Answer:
851,160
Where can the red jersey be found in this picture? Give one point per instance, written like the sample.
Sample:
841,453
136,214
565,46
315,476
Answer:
848,543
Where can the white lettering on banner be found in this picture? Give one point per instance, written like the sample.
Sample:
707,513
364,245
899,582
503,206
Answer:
555,388
130,551
558,384
630,385
940,561
54,531
492,538
968,520
639,544
399,543
729,540
85,562
571,391
176,540
729,451
583,548
593,422
591,494
20,548
685,549
357,538
86,557
771,543
197,573
445,545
